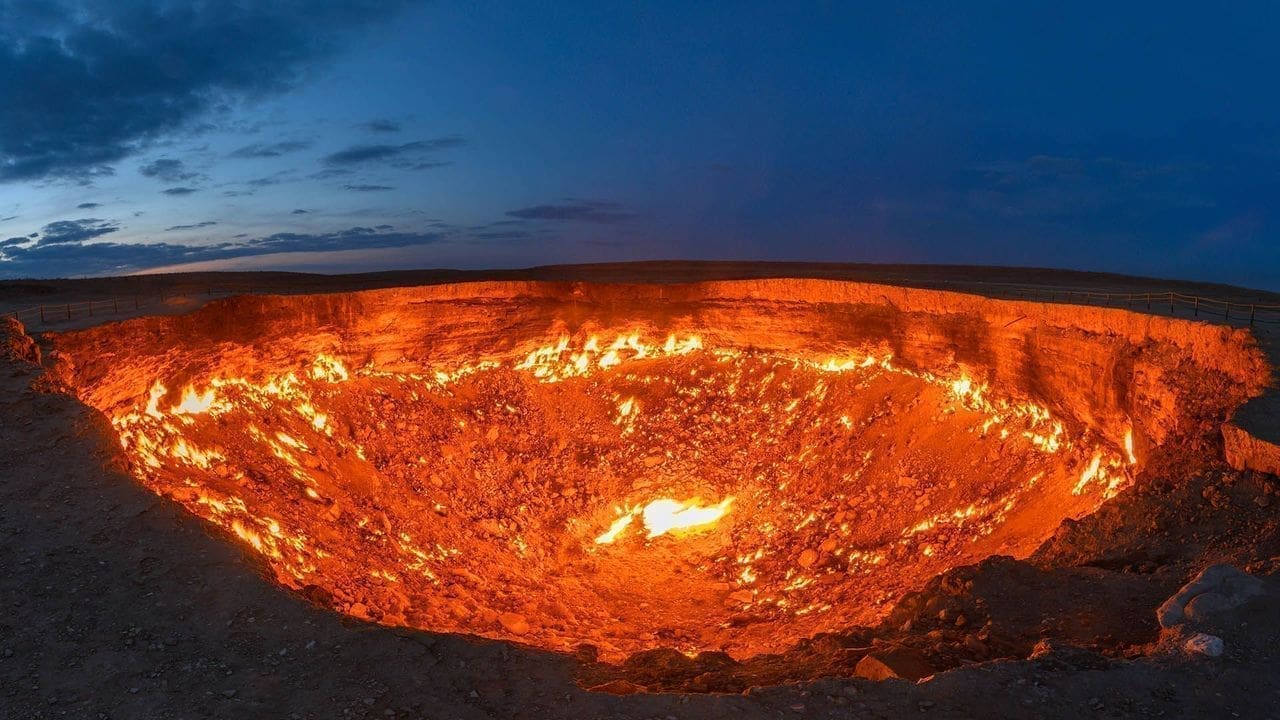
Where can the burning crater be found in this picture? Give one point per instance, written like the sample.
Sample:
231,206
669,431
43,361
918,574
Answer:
727,466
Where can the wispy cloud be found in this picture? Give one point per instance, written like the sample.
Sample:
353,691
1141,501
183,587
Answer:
167,169
380,126
71,256
588,211
193,226
270,150
73,231
406,156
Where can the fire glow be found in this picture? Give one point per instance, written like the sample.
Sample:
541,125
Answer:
472,492
666,515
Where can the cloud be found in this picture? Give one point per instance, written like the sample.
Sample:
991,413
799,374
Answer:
331,173
407,156
76,258
368,188
270,150
180,190
299,211
88,205
168,170
74,231
194,226
380,126
576,211
89,83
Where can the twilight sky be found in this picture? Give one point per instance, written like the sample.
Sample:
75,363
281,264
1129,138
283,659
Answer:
347,136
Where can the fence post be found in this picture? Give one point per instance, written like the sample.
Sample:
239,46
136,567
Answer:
42,315
68,311
135,302
1197,306
1148,301
1170,303
115,305
1252,309
1226,313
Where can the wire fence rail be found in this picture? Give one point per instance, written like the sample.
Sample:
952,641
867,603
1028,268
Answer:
1167,302
51,313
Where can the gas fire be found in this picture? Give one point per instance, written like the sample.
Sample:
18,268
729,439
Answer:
614,488
665,515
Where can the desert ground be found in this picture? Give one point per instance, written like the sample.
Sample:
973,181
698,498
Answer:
119,604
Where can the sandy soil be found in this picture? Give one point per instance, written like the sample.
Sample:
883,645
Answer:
117,604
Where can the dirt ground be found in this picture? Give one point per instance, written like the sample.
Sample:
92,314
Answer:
118,604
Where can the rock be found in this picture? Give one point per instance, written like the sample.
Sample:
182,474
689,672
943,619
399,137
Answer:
741,596
893,662
514,622
1205,605
15,344
1063,655
653,461
1233,588
1203,644
808,558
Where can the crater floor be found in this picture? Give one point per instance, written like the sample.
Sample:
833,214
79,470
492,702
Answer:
627,493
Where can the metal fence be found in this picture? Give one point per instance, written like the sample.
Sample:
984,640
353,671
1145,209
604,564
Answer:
1168,302
49,313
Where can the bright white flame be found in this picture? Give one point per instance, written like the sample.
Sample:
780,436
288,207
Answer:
666,515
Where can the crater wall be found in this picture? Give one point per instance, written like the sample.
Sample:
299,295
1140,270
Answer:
1105,369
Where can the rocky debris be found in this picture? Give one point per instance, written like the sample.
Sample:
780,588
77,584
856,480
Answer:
15,344
893,662
514,622
1250,438
1204,644
1215,589
1056,654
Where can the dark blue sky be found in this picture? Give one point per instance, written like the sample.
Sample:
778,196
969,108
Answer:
331,136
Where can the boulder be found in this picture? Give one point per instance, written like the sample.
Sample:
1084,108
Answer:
1204,644
1216,588
893,662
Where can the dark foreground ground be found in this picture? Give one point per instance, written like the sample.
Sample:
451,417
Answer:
117,604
